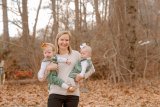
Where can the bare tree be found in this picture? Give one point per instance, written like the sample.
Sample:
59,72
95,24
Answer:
55,19
131,32
77,12
5,26
25,33
106,9
84,22
26,53
98,18
35,24
123,24
127,18
77,22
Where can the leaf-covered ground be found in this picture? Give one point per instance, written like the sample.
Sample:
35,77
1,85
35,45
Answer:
100,93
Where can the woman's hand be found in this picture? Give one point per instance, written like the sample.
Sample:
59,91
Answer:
68,62
52,66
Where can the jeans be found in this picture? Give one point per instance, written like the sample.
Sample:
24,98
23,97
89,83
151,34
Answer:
56,100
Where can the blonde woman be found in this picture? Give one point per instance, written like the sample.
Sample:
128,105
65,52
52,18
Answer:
58,97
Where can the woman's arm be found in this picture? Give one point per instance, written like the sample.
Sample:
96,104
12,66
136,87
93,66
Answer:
63,60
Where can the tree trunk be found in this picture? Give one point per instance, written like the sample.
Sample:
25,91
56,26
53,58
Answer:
98,18
123,22
77,21
55,20
35,24
26,54
85,17
5,26
77,24
131,36
106,3
25,34
66,22
127,22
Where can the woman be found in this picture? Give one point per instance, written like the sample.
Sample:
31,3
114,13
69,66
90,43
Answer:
58,96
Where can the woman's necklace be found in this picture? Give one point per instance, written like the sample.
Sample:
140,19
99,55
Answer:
63,52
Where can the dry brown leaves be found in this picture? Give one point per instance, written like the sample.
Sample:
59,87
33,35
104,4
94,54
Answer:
100,94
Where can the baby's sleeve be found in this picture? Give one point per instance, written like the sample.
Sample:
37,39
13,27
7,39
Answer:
90,72
41,72
84,65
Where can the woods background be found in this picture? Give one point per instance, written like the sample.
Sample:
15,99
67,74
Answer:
124,35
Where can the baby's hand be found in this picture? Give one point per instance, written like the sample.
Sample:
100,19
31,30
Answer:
71,89
68,62
78,77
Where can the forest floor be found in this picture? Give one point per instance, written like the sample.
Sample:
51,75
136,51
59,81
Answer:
101,93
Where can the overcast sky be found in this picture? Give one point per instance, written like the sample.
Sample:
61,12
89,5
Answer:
43,18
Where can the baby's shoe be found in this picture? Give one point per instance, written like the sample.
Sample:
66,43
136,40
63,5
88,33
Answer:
71,89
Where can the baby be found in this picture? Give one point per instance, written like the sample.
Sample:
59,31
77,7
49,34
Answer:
50,57
83,66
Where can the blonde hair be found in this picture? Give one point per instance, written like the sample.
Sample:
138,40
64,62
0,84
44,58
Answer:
46,45
58,36
88,49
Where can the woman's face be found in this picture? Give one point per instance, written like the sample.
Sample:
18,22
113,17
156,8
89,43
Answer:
63,42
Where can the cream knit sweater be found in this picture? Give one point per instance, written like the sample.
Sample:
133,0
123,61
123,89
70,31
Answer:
63,72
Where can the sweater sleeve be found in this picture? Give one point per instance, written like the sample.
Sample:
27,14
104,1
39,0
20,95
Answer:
61,59
41,72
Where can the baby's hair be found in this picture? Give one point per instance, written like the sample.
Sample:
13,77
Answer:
46,45
88,48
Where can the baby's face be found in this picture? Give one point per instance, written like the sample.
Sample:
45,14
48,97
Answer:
48,53
85,53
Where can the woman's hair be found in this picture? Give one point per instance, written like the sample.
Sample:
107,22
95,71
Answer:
58,36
